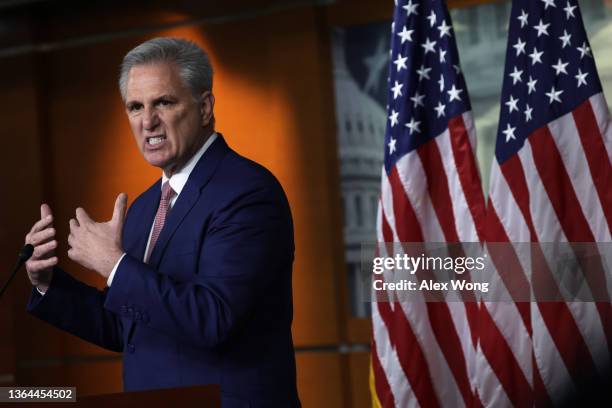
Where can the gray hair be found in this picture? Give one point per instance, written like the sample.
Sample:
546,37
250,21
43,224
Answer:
192,61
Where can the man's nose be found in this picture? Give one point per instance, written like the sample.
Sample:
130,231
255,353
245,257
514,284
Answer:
150,119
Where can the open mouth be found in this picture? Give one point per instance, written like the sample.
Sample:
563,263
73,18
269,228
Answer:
155,140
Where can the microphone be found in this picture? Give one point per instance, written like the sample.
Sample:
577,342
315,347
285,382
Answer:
25,254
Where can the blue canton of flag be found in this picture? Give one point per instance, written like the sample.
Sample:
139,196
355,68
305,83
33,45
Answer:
549,70
426,85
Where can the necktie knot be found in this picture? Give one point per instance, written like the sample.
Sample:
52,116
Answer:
167,192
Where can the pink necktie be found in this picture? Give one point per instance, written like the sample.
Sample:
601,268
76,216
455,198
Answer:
160,218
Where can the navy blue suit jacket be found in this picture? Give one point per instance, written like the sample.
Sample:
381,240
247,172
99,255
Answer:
214,302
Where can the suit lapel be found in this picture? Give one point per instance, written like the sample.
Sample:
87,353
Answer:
137,234
190,194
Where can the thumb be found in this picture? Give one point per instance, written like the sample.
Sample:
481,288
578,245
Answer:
120,208
45,210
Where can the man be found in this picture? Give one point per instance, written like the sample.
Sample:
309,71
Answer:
199,271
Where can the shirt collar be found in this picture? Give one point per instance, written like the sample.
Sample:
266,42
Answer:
179,178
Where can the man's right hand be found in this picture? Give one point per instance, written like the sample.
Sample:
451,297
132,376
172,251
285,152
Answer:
42,238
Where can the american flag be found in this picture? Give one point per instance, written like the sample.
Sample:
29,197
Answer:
550,182
424,353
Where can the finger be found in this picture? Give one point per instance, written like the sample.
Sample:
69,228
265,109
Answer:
41,237
38,265
74,225
45,210
82,216
43,223
43,251
70,240
120,208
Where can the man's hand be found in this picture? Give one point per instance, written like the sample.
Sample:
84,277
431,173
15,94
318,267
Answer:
42,238
97,245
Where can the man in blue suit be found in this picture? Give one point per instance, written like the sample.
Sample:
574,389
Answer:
199,271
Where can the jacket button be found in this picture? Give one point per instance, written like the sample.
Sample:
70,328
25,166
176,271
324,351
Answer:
131,348
138,316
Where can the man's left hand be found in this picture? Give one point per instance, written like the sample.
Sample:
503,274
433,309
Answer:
97,245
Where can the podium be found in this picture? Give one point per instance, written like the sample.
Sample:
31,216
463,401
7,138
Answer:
203,395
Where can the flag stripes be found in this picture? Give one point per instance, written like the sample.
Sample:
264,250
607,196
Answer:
598,161
463,141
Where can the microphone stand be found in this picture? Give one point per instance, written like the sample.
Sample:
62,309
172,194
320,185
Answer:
25,254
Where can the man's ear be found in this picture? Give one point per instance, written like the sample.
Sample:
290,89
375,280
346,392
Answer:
207,104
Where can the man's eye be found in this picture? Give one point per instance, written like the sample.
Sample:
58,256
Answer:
134,107
164,102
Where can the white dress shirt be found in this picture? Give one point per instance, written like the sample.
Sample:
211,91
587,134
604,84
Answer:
177,182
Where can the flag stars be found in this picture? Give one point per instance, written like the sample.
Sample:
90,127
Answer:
400,62
405,34
444,29
417,99
531,84
442,55
565,39
423,72
391,145
397,90
581,77
523,18
410,8
584,50
554,96
559,67
432,18
441,82
519,47
440,109
453,93
394,117
569,11
429,46
541,28
457,69
512,104
549,3
413,125
516,76
509,133
528,113
536,56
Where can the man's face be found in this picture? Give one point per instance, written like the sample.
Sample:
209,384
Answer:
168,123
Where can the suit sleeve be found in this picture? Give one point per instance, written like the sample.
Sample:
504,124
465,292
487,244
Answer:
77,308
245,248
